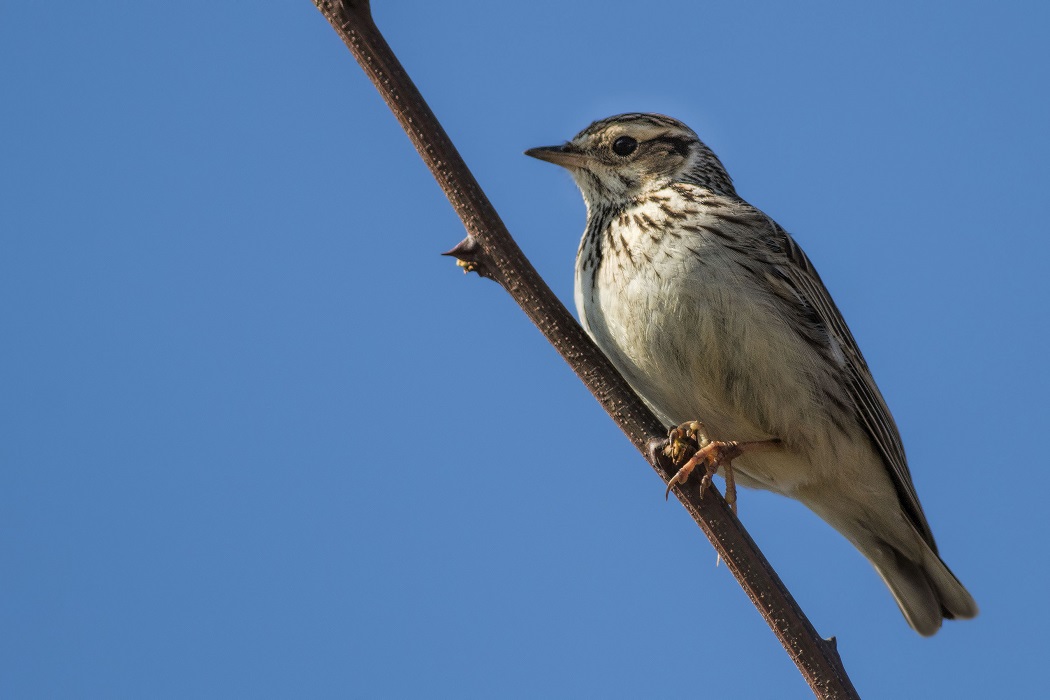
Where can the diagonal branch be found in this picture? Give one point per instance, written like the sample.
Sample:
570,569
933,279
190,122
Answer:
490,251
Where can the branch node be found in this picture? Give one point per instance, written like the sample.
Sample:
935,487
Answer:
654,450
471,257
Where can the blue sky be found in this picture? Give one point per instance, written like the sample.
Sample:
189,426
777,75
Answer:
260,440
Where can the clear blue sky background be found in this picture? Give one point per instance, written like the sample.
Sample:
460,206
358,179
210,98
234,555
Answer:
258,440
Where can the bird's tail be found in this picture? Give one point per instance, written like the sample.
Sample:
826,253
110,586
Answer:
926,590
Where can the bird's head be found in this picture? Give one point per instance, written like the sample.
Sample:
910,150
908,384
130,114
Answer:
618,159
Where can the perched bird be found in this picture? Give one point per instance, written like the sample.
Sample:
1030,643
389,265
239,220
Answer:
712,312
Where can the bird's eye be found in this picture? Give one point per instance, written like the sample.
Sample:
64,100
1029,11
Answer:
624,146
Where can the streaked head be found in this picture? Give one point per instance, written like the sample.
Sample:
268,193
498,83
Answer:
622,157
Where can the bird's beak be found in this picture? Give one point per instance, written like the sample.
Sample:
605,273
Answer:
567,156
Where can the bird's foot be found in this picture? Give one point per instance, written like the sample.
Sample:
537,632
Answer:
691,446
685,440
713,455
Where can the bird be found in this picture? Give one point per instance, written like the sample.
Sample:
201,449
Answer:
720,323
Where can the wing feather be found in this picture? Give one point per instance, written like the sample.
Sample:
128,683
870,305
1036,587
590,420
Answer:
811,301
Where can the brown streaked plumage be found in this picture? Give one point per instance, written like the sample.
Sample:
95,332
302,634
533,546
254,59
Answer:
712,312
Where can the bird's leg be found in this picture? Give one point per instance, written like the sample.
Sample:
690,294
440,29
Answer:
713,454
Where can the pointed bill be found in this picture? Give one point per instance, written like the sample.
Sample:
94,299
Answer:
566,156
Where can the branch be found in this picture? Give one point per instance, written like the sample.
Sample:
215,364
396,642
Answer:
490,251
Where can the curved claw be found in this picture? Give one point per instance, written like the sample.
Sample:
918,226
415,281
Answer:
681,476
670,485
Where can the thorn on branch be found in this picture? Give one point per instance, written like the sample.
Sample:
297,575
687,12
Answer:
470,256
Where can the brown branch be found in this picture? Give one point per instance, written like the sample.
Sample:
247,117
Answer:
490,251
